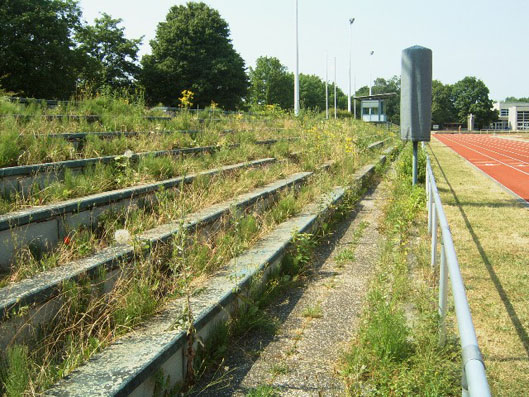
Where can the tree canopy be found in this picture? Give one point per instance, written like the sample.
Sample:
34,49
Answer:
514,99
443,109
37,49
111,58
271,83
193,51
392,104
471,95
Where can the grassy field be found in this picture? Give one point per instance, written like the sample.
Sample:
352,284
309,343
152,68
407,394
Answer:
491,234
88,320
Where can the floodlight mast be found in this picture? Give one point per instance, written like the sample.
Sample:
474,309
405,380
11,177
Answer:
296,78
327,86
371,71
351,21
335,110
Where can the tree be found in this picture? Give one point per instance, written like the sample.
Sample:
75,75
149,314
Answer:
192,51
392,104
514,99
111,59
443,109
312,92
271,83
37,51
471,95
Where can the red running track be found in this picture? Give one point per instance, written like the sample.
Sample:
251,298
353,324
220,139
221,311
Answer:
507,161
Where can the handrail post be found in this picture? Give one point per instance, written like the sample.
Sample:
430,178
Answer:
430,204
443,284
434,237
474,369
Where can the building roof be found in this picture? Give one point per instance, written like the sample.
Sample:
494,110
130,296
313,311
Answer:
376,96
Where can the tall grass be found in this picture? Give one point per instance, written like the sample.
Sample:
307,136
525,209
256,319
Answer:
396,350
89,320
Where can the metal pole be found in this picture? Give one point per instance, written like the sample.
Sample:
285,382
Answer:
443,284
327,86
351,21
472,360
434,238
415,160
335,112
429,195
296,79
371,72
354,101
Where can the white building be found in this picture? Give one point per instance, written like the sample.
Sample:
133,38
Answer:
373,107
513,116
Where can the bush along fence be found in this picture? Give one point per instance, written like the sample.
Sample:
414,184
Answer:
474,379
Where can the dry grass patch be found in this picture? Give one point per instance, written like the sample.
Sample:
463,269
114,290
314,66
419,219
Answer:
489,227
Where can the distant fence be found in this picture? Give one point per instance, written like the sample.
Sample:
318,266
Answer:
474,380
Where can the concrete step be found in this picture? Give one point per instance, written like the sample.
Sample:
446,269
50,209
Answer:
132,365
46,225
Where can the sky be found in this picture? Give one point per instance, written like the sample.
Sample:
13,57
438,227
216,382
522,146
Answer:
482,38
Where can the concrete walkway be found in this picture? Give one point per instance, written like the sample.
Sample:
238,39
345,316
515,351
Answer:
317,319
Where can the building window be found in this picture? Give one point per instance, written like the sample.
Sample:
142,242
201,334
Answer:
504,112
523,120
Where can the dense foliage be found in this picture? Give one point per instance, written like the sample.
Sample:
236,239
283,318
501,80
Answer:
453,103
471,95
38,55
514,99
192,51
383,86
111,59
46,51
271,83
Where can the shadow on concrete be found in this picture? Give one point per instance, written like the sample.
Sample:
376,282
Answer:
522,333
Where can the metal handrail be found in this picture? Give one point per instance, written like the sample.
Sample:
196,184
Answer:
474,382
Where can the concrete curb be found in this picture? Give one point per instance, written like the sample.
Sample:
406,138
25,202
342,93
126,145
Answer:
46,225
128,367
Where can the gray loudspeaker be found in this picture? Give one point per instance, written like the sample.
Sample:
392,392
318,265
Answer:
416,94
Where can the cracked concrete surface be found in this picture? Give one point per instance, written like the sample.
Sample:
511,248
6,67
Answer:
317,318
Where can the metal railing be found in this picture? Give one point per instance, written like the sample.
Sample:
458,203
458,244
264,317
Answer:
474,380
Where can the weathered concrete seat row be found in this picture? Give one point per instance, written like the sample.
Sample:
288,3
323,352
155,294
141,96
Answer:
23,178
90,118
82,136
45,226
130,366
378,144
35,293
26,177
